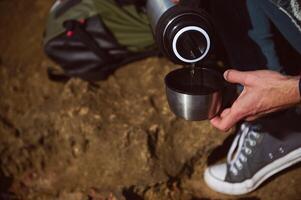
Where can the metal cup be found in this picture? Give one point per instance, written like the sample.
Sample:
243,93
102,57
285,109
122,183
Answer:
198,94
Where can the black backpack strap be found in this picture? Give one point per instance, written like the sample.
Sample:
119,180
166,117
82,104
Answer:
103,72
77,28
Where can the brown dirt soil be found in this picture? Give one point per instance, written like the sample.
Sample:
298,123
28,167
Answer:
114,139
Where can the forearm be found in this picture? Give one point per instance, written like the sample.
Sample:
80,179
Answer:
291,91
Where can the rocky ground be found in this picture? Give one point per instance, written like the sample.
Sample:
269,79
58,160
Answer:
114,139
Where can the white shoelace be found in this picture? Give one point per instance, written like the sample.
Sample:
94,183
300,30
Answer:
243,151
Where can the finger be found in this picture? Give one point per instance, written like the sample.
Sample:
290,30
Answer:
226,120
225,113
254,117
220,124
264,113
234,76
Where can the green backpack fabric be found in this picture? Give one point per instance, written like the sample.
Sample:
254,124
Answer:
90,39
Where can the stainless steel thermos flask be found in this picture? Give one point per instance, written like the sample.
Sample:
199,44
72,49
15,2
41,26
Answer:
183,33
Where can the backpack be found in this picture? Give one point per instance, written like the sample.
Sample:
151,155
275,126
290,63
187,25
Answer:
90,39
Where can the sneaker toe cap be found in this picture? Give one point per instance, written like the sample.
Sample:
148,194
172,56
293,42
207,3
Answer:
218,171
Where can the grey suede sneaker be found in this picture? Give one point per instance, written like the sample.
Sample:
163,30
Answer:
258,156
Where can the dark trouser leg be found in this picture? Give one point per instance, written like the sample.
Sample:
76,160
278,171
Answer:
246,33
261,34
283,23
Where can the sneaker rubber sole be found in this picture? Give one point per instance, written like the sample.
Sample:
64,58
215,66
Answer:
251,184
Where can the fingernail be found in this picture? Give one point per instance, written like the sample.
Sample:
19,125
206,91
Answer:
226,74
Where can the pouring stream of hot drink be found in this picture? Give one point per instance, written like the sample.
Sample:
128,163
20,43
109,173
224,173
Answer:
197,83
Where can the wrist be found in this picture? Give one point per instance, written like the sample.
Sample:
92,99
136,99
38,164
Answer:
295,89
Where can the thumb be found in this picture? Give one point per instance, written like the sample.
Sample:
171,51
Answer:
234,76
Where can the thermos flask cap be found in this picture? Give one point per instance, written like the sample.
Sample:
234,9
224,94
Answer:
183,34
